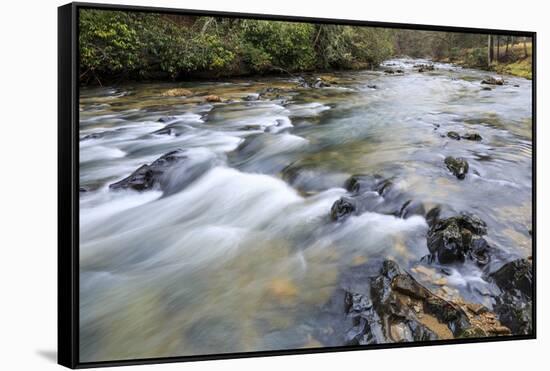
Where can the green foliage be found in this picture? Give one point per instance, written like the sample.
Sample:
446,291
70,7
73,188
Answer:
132,45
284,45
142,45
476,57
108,41
346,46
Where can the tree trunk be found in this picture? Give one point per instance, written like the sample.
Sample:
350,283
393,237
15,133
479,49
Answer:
489,50
525,47
507,43
498,48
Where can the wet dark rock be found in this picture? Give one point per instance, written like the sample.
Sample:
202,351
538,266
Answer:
445,243
251,97
412,207
273,93
454,239
385,304
376,194
438,213
342,208
493,81
147,176
486,88
389,71
458,166
433,215
82,189
515,312
424,67
472,136
515,275
372,87
453,135
165,131
167,119
399,71
514,304
362,183
479,250
312,82
346,206
94,136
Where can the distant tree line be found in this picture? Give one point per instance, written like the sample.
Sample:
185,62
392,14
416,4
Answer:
132,45
117,45
472,50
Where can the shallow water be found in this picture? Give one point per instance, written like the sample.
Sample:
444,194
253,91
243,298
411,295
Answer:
233,255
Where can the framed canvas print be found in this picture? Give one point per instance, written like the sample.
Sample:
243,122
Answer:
237,185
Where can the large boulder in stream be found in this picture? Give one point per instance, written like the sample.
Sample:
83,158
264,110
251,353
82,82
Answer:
383,303
374,194
453,135
458,166
147,176
454,239
171,172
514,305
493,81
472,136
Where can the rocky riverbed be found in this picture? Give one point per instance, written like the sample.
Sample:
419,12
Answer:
320,210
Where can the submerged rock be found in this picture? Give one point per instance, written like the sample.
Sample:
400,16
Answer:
514,305
309,180
273,93
342,208
94,136
493,81
170,131
458,166
453,135
376,194
176,92
472,136
212,98
412,207
252,97
454,239
362,183
425,67
147,176
312,82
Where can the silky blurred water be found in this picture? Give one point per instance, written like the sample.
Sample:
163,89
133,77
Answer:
231,255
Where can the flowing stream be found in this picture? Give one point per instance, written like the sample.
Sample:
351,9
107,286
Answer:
237,252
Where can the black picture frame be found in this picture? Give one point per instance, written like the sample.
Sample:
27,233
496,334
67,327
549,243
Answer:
68,183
